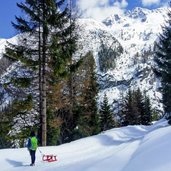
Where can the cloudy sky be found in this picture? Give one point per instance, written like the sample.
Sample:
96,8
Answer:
97,9
100,9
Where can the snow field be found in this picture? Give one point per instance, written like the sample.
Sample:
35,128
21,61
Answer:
131,148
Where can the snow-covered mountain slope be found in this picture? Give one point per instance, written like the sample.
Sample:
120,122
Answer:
135,32
3,43
131,148
122,46
92,35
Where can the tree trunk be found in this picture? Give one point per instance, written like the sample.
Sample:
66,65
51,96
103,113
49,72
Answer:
44,117
40,75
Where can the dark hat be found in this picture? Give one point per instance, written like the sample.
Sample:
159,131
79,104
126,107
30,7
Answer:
32,134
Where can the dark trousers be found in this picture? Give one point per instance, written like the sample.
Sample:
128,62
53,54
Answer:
33,156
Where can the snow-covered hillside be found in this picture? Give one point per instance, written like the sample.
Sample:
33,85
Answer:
3,43
135,33
131,148
126,41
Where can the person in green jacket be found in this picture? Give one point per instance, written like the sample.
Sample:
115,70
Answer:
32,147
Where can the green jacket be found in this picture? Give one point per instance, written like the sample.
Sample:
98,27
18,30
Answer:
32,143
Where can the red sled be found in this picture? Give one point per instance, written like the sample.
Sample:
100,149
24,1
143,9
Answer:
49,158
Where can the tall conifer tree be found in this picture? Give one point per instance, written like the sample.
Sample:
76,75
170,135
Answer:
106,118
128,117
163,63
88,117
45,47
90,95
146,118
138,106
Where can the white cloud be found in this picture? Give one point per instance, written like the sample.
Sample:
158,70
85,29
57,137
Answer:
124,4
150,2
100,9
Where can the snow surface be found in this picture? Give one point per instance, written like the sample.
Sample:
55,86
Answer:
131,148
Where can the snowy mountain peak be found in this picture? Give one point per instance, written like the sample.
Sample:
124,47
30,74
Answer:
138,14
91,24
139,11
135,33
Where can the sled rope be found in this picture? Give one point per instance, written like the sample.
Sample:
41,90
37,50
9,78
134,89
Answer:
40,151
